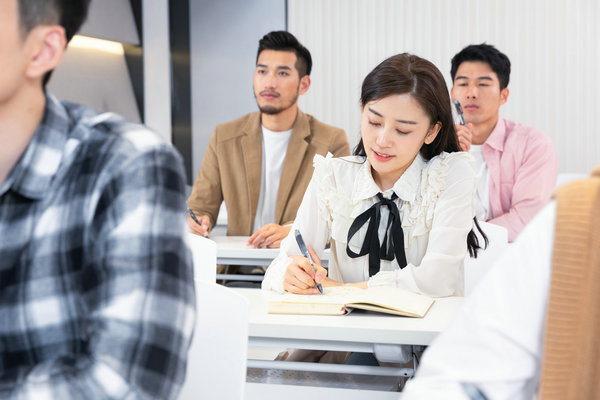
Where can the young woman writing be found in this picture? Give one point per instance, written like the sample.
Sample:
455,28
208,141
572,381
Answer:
400,211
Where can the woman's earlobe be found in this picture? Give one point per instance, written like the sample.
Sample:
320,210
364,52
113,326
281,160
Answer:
433,132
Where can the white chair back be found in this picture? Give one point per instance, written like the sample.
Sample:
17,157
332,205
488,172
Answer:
567,177
476,268
219,350
204,252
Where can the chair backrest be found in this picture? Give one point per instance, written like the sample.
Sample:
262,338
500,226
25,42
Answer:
566,177
476,268
204,252
571,366
219,350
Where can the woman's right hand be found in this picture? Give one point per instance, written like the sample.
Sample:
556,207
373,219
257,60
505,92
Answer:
300,277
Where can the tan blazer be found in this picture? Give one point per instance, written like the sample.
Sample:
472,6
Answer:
231,169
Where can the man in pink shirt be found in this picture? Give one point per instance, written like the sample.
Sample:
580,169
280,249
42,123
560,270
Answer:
517,165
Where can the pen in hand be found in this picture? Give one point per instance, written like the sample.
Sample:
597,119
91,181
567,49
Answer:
306,254
189,211
459,112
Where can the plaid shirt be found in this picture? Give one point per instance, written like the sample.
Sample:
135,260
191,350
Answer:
96,283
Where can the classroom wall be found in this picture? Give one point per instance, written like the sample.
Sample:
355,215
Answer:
95,77
224,37
553,46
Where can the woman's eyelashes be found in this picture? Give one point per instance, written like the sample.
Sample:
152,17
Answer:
375,123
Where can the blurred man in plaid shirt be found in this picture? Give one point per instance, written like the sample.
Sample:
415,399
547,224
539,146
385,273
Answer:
96,283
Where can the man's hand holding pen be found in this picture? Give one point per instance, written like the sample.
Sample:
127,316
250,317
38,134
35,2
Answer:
464,131
465,136
198,225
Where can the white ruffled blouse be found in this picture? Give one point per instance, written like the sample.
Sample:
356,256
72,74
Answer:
435,202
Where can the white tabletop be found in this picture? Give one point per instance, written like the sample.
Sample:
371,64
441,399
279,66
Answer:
232,250
353,329
235,248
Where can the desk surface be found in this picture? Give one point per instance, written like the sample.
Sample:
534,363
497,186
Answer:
232,250
235,247
365,328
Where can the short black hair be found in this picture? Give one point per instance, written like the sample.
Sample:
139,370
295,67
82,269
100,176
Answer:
498,61
285,41
69,14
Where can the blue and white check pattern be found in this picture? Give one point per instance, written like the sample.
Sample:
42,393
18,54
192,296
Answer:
96,283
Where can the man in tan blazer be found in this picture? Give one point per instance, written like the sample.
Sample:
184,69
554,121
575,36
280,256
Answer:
260,164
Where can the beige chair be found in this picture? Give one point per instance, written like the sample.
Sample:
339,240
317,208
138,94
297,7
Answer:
476,268
219,350
571,365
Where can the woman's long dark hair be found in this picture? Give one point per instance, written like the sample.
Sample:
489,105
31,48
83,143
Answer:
409,74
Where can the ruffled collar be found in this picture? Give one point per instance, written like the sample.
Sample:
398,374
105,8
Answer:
406,188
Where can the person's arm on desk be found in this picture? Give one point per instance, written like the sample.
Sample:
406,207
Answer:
269,236
207,196
300,277
316,234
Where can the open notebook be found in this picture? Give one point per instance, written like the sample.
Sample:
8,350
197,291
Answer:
341,300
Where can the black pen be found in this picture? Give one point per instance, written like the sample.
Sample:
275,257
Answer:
306,254
189,210
459,112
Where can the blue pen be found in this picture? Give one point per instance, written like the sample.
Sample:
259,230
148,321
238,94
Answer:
306,254
459,112
473,391
189,210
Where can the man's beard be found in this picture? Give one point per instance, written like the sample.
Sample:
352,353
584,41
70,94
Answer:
272,110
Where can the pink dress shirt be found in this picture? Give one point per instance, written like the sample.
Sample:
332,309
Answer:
523,169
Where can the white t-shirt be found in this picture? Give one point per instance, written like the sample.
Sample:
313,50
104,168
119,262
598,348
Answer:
274,150
435,203
483,211
496,340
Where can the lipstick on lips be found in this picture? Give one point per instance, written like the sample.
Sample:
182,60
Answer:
379,156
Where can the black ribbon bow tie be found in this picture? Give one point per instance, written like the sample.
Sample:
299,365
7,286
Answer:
393,244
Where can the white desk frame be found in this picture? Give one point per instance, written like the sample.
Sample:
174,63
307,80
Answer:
359,332
267,391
